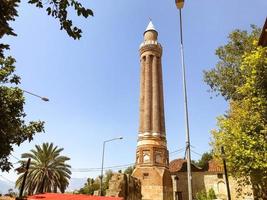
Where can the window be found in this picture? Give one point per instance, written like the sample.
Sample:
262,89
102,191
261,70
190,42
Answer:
220,176
221,187
159,157
146,156
145,175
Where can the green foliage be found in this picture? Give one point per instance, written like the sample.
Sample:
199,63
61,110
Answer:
90,186
94,184
8,10
106,179
129,170
243,129
204,161
13,128
203,195
48,170
59,10
226,76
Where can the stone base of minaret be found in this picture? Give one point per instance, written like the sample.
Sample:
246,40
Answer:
156,183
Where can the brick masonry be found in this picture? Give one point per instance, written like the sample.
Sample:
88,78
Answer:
152,156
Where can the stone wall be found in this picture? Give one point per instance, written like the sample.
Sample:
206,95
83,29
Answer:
206,181
156,183
126,186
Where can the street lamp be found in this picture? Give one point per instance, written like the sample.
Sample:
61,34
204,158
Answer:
102,167
42,98
180,5
225,174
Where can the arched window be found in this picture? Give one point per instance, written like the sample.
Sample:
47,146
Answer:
146,156
221,187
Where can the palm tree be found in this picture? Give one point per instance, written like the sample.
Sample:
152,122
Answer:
48,170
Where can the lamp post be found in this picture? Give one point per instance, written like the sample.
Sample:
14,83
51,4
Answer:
225,174
42,98
180,5
102,166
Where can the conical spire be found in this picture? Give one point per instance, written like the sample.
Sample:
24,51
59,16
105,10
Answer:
150,26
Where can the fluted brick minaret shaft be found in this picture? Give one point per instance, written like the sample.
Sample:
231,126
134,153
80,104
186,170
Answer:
151,97
152,157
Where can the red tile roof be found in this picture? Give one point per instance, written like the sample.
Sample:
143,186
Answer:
176,165
180,165
215,166
57,196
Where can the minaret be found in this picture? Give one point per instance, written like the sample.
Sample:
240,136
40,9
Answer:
152,156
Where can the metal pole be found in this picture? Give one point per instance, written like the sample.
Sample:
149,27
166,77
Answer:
225,174
24,178
188,152
102,167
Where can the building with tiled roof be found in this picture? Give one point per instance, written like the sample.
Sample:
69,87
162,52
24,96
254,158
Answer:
215,166
211,177
181,166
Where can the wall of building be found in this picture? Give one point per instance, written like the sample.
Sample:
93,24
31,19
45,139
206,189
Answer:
206,181
125,186
156,183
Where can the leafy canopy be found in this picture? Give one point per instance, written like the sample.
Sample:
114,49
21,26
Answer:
226,76
241,77
93,185
48,170
13,128
203,195
203,162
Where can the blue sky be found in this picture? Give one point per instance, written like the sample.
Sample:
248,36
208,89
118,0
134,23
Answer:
93,83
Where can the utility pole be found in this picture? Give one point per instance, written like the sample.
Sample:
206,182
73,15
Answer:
24,179
180,5
225,174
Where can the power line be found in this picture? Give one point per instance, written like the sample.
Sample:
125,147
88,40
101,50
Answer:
15,157
116,166
99,169
177,151
95,169
196,153
7,179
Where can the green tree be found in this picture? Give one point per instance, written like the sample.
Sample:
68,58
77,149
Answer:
107,177
13,128
90,186
129,170
226,76
203,195
94,184
243,129
48,170
204,160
